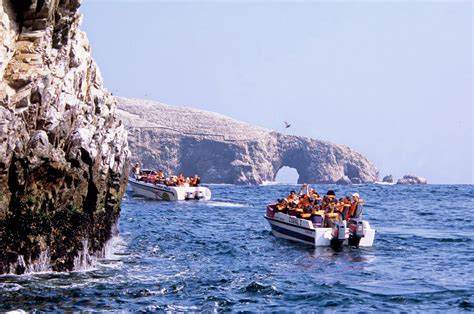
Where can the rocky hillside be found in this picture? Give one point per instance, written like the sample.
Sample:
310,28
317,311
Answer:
63,152
224,150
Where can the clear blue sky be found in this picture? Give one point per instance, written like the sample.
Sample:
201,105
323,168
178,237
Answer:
392,80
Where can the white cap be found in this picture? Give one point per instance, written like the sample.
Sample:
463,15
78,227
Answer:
356,195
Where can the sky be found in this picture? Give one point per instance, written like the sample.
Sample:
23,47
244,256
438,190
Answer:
390,79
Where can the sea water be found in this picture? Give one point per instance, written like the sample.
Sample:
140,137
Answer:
221,256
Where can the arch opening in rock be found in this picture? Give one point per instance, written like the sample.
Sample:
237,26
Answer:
287,175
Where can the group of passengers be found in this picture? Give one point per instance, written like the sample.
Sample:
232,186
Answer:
158,177
324,210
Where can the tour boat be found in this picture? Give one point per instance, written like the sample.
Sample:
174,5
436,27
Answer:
168,193
355,232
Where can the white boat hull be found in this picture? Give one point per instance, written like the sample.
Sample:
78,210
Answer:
302,230
169,193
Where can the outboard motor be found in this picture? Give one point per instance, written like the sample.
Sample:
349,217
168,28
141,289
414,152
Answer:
189,195
356,231
198,195
338,235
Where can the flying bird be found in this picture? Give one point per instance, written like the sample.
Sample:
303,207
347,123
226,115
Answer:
287,125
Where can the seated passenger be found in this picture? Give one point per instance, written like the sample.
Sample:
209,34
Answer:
136,169
330,208
293,209
314,196
160,177
282,206
292,198
196,180
173,181
340,205
316,210
346,205
181,179
151,177
329,198
353,211
305,203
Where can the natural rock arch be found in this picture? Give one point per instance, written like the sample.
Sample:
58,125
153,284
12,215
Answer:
223,150
286,172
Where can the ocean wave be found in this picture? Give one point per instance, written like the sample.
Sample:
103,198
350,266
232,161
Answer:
259,288
8,287
221,256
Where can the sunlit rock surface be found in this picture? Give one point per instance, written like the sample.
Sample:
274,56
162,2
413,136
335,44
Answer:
63,152
224,150
412,179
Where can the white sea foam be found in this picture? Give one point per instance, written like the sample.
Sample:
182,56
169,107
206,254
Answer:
385,183
114,248
10,286
84,261
113,252
41,265
19,311
270,183
224,204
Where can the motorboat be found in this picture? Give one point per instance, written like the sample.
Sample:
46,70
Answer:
166,193
354,232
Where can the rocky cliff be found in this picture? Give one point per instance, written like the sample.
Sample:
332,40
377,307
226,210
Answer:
63,153
223,150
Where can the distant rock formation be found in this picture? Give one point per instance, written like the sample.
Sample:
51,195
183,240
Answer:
411,179
344,180
224,150
63,153
388,179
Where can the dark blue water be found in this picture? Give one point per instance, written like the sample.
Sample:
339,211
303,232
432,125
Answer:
221,256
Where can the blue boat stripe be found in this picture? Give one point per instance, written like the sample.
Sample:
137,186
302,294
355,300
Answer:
286,223
293,234
151,188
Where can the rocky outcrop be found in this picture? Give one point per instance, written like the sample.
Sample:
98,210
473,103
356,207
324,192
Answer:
412,179
223,150
63,153
388,179
344,180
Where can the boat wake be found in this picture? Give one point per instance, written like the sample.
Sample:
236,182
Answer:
224,204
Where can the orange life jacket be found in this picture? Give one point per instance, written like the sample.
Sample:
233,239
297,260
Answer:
352,210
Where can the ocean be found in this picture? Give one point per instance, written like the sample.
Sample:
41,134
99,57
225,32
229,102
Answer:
220,256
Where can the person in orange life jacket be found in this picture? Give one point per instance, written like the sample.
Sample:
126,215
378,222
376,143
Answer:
196,180
356,200
292,197
160,177
329,198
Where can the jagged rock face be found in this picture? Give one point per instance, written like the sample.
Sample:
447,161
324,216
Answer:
388,179
412,179
63,152
223,150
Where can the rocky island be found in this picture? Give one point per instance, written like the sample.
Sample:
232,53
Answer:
64,157
410,179
224,150
388,179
